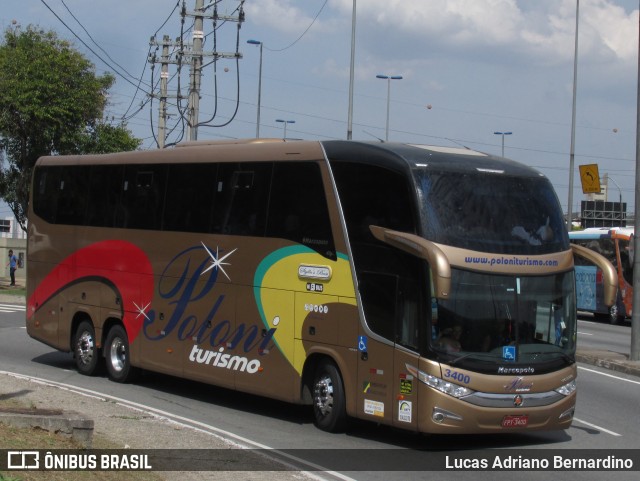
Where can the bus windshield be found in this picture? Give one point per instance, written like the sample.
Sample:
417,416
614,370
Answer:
497,320
491,212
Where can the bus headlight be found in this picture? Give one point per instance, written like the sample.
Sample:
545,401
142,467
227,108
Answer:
441,385
567,388
446,387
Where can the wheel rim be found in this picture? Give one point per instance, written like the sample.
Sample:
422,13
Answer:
613,312
323,394
85,347
118,354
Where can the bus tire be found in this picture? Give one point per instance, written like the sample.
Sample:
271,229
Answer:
117,355
85,350
329,404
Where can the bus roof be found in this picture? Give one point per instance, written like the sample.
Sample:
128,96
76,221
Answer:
454,159
391,155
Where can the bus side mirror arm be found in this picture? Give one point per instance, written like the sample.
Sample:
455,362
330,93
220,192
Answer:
424,249
609,274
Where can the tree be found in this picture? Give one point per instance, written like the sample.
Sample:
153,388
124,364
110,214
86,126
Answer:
51,102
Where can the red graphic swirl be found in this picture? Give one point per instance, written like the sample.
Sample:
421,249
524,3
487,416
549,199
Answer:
120,264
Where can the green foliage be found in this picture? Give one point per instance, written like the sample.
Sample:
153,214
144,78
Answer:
51,102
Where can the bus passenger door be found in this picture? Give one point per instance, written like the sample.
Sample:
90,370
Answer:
376,372
410,321
394,305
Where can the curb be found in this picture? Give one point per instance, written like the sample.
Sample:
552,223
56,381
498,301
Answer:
66,423
613,361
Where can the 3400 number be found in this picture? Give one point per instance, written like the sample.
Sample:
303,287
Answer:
457,376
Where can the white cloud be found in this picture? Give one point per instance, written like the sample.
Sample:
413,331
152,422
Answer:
285,15
543,30
612,27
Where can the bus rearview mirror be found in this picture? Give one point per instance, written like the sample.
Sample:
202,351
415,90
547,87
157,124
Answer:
423,249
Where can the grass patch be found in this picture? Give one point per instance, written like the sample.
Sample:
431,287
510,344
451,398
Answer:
13,291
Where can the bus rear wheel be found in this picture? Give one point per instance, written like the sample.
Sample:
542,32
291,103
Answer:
117,356
329,405
85,350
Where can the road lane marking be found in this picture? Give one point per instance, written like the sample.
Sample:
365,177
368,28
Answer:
9,308
186,422
594,426
609,375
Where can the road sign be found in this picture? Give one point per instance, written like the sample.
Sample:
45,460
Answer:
590,179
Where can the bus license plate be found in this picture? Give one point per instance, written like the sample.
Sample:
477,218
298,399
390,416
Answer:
515,421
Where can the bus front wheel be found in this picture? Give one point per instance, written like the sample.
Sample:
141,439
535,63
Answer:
85,350
329,405
117,356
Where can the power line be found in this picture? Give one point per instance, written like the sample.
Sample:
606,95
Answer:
87,46
303,33
96,43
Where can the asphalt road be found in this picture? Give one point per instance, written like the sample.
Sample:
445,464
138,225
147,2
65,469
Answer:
596,334
606,417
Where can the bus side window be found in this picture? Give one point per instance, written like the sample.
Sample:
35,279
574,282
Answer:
379,294
189,200
242,194
392,302
45,195
298,207
625,261
73,195
142,197
104,195
389,280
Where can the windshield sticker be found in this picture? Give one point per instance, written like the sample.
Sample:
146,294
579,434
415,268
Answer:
509,353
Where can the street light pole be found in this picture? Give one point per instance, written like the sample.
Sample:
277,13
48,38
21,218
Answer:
620,191
257,42
351,73
285,122
635,315
388,78
573,124
503,134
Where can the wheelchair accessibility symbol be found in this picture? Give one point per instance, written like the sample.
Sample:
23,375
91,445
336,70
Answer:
362,343
509,353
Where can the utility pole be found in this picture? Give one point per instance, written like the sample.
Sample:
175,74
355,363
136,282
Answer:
195,73
164,78
351,73
165,60
635,315
194,54
197,54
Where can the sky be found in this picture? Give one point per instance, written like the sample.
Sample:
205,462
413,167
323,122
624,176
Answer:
469,68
